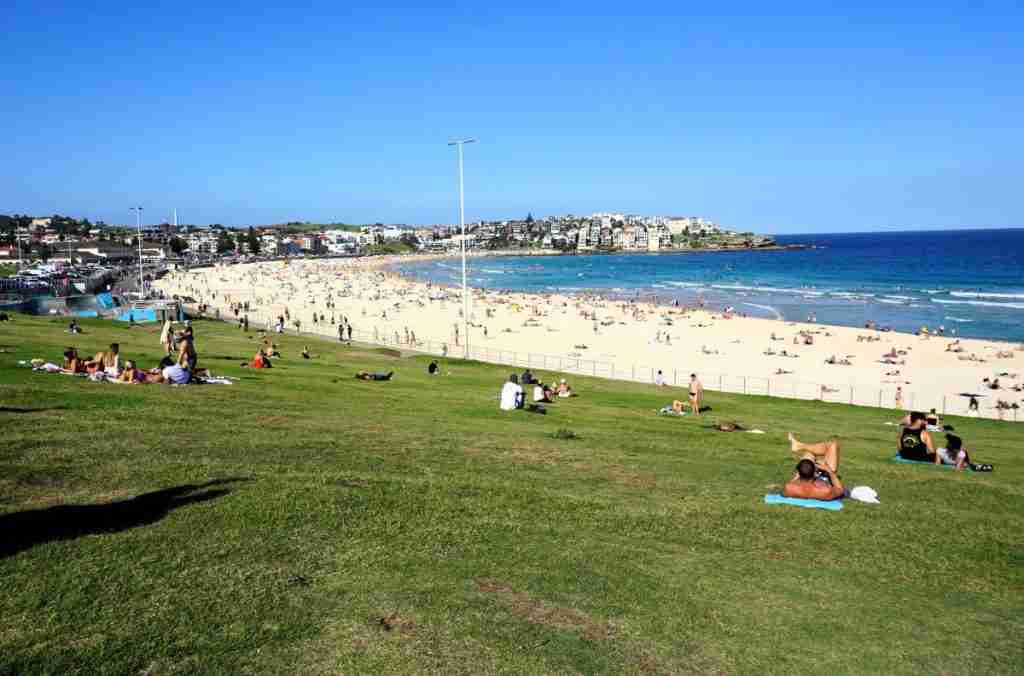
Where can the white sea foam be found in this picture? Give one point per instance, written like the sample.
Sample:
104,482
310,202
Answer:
766,289
891,302
685,284
982,303
958,319
900,297
981,294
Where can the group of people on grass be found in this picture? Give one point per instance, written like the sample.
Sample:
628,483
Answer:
916,443
177,367
817,471
513,396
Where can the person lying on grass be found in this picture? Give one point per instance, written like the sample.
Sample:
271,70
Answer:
132,375
366,375
825,453
814,482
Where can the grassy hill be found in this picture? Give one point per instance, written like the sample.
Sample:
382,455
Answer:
301,521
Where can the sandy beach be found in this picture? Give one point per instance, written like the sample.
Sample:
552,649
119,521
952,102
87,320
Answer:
591,334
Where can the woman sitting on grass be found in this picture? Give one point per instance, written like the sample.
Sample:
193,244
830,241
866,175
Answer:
954,454
259,361
72,362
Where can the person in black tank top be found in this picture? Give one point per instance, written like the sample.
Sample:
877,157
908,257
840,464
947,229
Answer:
915,442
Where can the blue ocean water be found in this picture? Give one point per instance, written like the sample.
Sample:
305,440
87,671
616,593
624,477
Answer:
971,281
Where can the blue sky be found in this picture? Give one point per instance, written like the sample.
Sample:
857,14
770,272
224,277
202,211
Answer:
776,118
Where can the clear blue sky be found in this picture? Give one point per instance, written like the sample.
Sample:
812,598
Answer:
792,118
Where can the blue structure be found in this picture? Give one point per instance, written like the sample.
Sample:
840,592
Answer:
144,315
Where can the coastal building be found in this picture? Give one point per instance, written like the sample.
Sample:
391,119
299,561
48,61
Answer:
105,252
640,237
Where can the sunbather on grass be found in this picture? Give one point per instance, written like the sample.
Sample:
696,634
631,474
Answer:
814,482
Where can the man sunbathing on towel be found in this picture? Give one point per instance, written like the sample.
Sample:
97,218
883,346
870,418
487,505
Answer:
815,480
823,453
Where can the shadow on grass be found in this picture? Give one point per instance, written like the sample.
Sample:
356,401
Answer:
16,409
24,530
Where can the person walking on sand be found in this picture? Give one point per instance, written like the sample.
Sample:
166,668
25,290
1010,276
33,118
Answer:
899,397
696,391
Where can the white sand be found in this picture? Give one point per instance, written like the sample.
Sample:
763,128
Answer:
627,340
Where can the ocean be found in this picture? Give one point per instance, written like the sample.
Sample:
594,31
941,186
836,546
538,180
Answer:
971,282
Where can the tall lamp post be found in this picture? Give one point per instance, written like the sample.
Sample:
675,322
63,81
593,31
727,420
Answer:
462,225
138,224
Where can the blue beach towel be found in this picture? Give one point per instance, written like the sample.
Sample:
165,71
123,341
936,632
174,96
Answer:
776,499
897,458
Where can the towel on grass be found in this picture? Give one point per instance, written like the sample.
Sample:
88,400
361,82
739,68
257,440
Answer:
865,494
215,380
897,458
777,499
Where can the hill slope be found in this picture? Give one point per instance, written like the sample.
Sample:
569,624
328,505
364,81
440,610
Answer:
301,521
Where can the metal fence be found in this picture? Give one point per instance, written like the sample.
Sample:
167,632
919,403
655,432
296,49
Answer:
673,375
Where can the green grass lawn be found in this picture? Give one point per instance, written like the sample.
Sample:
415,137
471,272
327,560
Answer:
8,269
300,521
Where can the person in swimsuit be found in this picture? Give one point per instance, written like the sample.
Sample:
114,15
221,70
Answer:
696,390
823,454
813,482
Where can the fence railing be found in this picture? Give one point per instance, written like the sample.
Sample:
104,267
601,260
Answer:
673,375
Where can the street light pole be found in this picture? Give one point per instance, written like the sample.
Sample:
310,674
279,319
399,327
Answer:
138,224
462,224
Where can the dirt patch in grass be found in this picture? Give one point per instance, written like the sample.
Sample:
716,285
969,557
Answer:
543,614
394,623
518,454
621,475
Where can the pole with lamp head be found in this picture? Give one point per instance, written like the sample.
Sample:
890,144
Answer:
462,226
138,224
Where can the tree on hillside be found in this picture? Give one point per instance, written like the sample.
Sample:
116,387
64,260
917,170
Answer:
225,243
253,241
177,245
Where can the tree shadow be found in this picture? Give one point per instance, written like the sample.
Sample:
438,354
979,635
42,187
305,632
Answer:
18,409
24,530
